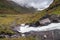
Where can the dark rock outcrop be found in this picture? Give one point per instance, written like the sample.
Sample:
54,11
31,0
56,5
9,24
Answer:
45,35
47,19
55,18
36,24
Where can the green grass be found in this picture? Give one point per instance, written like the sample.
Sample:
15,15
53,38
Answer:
56,9
21,38
10,15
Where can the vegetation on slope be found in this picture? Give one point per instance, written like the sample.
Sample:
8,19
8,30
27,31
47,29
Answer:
21,38
54,8
11,16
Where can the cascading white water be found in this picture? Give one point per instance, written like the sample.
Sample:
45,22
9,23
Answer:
37,4
25,28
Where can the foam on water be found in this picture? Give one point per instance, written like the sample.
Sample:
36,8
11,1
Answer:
26,28
37,4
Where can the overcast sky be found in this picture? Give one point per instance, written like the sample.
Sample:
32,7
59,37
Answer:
37,4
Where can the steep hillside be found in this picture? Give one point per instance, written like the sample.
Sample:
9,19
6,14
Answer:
13,14
12,11
15,7
54,8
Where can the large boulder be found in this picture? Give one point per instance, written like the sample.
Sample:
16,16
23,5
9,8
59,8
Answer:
45,21
55,18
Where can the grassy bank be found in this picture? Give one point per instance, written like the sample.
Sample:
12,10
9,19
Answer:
10,15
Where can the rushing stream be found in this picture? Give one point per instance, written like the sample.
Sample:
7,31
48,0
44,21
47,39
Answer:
37,4
26,28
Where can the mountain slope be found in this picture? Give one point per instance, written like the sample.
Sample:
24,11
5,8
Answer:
12,14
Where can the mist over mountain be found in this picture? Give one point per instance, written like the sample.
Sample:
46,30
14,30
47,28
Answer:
13,13
38,5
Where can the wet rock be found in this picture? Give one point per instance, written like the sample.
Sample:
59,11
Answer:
15,29
10,35
2,36
27,34
7,36
55,18
31,25
45,35
36,24
15,36
45,21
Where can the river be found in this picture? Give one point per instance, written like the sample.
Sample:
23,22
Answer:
26,28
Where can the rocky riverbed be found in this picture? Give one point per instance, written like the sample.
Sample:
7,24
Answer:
37,27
